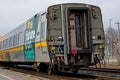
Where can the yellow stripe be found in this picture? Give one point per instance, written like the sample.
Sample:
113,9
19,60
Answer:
41,44
21,48
2,56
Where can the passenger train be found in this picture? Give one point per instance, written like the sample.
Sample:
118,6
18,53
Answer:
65,37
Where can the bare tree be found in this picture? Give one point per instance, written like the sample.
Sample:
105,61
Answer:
112,44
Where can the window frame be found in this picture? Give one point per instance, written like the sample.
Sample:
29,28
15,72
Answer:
43,27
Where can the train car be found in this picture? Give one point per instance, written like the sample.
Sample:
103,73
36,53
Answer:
64,37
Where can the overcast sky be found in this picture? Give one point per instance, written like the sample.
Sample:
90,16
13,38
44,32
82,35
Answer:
15,12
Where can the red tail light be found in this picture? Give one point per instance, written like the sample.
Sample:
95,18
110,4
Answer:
74,51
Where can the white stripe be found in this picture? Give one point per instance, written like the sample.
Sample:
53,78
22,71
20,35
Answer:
6,77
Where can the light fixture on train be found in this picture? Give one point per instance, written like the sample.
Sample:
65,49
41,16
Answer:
53,48
100,46
60,38
54,14
93,37
52,38
94,13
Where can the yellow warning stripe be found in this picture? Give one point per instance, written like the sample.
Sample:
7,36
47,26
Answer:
21,48
40,44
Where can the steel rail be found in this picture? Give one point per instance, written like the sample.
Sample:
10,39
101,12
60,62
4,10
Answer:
101,72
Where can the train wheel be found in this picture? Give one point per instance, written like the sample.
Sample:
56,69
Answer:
37,68
49,70
97,62
52,69
98,65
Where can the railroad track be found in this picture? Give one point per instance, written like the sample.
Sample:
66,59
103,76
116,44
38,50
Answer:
83,74
59,76
32,72
102,72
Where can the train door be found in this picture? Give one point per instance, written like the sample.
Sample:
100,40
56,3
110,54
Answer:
79,30
44,56
43,27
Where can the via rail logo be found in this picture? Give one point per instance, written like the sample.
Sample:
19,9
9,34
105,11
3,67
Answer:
29,47
29,25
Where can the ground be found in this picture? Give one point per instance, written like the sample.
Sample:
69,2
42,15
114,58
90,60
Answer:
113,65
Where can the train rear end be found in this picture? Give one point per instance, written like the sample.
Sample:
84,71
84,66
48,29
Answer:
75,36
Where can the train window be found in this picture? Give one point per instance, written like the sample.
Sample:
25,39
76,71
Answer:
78,29
19,37
7,43
20,41
0,45
43,30
3,43
10,42
15,40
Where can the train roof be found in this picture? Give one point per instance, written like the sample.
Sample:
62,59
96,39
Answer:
45,10
74,4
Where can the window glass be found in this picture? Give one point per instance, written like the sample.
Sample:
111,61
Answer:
18,37
0,45
43,31
15,40
10,42
78,29
5,43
